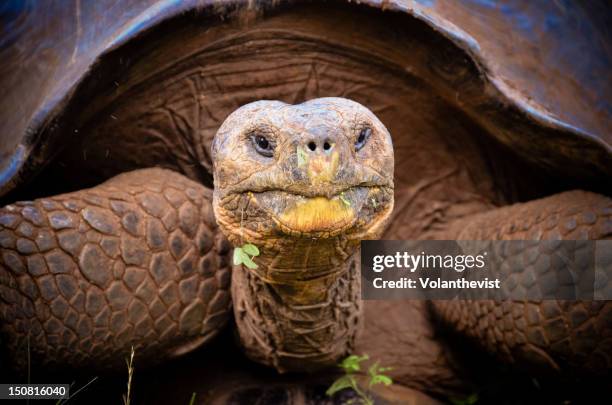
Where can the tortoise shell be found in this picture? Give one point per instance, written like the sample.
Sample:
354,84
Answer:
508,68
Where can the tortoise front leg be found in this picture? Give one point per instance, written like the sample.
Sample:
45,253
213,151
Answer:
572,336
136,261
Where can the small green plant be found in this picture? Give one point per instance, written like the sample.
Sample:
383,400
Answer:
469,400
352,366
130,365
344,200
245,254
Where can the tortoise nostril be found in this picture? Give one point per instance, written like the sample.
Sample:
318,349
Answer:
327,146
312,146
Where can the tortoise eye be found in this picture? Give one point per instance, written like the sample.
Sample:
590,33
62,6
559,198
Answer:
362,138
262,145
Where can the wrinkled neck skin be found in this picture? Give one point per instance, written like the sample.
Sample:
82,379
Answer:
291,321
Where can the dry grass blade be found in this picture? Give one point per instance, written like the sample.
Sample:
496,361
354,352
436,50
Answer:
61,401
130,366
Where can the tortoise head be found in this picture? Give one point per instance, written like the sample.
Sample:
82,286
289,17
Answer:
317,170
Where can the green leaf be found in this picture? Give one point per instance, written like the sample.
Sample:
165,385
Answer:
341,383
302,157
373,370
381,379
247,261
240,257
351,363
344,200
376,376
250,249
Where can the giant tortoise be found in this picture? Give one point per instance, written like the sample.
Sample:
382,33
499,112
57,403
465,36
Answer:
141,144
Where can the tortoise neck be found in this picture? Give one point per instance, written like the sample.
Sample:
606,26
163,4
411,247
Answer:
310,264
300,325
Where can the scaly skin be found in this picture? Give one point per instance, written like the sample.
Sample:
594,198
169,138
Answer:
135,261
564,336
558,338
306,206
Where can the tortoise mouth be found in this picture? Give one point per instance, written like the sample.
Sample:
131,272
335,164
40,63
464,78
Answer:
324,215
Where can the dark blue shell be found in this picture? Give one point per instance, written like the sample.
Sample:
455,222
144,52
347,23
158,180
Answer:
551,60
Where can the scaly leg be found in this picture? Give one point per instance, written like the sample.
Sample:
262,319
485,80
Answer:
573,336
136,261
569,336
